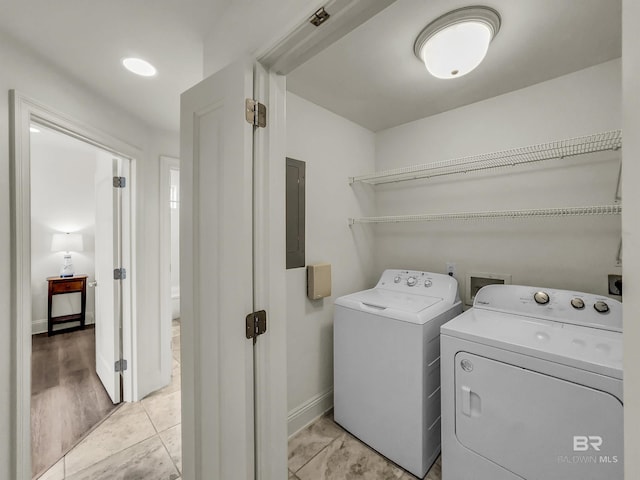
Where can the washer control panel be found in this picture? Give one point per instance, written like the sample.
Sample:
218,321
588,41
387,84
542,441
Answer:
410,278
551,304
419,283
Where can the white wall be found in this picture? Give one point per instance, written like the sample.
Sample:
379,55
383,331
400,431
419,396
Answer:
570,253
227,43
35,77
62,200
333,149
153,337
631,232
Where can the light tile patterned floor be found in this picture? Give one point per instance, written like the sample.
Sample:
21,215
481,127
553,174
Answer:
324,451
140,441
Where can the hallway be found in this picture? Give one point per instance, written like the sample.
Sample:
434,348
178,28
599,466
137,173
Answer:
139,441
67,397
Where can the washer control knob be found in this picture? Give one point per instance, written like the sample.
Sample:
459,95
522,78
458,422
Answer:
541,298
601,307
577,303
428,283
411,281
397,279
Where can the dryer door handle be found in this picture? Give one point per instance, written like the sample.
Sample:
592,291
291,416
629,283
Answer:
466,400
471,402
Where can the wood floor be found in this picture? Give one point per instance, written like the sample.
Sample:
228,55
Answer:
67,398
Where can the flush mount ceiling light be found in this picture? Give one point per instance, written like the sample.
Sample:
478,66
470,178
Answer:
139,67
455,43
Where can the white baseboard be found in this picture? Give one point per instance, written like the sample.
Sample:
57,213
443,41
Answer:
40,325
309,411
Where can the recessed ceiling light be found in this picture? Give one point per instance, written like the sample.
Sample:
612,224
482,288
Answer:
34,130
139,67
456,43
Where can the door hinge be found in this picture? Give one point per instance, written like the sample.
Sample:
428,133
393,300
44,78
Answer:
319,17
255,113
256,324
119,182
119,273
121,365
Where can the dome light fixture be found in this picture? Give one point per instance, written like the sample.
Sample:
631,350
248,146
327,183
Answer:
139,67
456,43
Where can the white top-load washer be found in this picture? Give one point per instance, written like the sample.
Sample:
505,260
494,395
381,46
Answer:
387,364
532,387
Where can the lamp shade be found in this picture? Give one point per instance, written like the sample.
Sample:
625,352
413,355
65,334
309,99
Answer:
66,242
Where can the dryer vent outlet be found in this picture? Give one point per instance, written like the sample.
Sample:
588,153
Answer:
615,285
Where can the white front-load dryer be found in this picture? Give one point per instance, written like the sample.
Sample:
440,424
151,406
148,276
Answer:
532,387
387,364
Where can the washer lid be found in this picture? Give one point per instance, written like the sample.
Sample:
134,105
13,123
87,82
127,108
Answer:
583,347
381,300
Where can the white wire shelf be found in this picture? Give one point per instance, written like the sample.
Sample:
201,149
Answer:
532,213
597,142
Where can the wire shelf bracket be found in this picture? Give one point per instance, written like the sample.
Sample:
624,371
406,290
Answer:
597,142
491,215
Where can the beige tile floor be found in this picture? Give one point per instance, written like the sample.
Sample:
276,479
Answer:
324,451
141,441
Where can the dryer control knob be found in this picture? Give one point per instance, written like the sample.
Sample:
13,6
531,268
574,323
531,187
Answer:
411,281
601,307
577,303
428,283
541,297
397,279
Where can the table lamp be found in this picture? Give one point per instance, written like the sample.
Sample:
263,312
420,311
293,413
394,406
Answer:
67,243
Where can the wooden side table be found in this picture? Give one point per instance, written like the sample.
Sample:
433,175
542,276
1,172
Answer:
62,285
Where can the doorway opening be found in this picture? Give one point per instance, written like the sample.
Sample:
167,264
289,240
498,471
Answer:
76,239
170,261
75,261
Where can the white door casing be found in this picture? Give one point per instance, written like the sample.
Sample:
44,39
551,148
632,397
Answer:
23,111
269,279
216,278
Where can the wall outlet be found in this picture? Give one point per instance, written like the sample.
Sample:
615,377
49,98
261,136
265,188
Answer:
451,269
615,285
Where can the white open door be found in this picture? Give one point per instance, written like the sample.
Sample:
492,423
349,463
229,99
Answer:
216,278
108,290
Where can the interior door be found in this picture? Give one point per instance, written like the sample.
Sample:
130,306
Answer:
108,290
216,277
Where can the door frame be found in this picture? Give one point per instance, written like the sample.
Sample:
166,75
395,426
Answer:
299,44
167,164
23,111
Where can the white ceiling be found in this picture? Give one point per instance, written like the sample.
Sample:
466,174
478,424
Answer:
87,39
372,77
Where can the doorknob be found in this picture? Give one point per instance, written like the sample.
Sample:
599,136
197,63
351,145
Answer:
93,284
